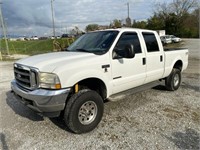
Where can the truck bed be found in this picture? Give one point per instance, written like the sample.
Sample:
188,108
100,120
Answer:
173,55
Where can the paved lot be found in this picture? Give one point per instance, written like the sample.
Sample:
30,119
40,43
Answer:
153,119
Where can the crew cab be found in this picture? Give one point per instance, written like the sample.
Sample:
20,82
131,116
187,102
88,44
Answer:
98,66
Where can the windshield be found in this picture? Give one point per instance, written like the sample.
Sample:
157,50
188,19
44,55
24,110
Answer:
99,41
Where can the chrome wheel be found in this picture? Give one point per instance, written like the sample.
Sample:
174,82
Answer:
87,112
176,80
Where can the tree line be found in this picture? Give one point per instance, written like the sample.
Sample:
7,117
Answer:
180,18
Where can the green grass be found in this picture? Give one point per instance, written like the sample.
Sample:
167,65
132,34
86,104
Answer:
33,47
44,46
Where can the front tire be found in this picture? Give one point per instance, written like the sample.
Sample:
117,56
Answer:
83,111
173,81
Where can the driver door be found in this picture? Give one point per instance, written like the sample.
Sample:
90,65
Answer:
127,72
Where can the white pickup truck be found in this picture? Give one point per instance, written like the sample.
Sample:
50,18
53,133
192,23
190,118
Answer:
98,66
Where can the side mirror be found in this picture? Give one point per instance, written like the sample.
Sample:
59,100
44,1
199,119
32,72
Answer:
126,52
129,51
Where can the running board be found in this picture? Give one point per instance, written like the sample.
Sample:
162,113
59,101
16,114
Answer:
132,91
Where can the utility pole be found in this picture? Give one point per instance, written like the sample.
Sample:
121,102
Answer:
199,21
4,30
128,19
128,8
53,22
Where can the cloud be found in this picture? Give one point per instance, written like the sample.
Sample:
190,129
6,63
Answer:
26,12
34,16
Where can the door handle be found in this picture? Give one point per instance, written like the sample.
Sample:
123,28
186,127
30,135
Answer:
161,58
144,61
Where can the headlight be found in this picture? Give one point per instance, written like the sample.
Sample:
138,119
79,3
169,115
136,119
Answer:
49,81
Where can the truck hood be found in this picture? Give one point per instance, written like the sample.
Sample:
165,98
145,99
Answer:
51,61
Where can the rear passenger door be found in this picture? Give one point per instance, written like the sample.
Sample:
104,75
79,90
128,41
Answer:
154,58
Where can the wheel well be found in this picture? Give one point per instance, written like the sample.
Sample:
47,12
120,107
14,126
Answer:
178,65
93,84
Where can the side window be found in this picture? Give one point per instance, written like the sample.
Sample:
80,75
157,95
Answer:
128,38
151,42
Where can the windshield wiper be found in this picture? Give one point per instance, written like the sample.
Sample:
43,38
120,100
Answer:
83,50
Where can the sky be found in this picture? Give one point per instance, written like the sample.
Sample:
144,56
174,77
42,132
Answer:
34,17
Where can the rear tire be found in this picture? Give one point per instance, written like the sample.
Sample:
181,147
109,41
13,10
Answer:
173,81
83,111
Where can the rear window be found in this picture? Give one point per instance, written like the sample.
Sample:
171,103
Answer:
151,42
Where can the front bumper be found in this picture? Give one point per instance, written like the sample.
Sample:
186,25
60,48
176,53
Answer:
46,102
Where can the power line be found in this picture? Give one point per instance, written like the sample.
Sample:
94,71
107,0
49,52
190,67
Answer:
82,22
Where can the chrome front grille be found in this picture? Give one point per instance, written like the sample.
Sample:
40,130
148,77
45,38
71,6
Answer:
26,77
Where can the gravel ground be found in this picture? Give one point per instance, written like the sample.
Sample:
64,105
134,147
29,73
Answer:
153,119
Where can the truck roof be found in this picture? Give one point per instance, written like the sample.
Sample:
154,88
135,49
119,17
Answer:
125,29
